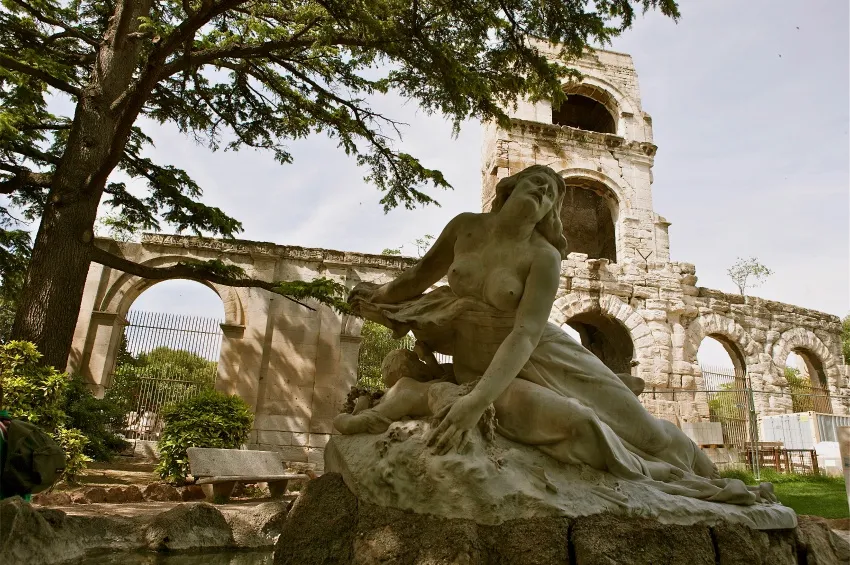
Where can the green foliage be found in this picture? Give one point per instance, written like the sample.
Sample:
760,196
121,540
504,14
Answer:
117,227
271,72
801,390
215,267
723,406
75,445
772,476
98,419
37,393
389,251
164,364
167,363
423,243
743,269
323,290
15,250
816,495
376,342
210,419
845,339
32,391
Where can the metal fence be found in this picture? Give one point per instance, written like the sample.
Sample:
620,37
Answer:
728,415
163,359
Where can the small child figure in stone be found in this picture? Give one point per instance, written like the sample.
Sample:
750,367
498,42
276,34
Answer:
421,368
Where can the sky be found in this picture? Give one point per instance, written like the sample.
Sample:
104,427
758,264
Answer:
749,102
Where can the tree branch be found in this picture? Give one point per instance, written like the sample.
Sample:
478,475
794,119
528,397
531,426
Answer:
13,65
69,30
181,271
24,178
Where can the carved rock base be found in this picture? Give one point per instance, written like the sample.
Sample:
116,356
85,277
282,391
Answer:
503,480
329,525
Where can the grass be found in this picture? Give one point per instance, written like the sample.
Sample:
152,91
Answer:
815,495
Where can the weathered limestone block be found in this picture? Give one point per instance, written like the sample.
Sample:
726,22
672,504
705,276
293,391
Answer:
321,524
189,526
744,546
330,525
611,540
817,544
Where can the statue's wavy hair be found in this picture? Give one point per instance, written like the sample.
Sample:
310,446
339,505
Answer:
550,227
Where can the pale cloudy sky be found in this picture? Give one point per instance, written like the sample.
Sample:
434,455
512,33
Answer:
750,110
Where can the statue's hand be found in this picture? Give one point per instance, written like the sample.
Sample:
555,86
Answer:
456,423
364,292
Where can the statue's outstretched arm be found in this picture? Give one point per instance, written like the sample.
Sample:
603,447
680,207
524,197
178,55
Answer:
428,270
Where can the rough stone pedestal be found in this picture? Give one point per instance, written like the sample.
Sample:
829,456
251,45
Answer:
492,482
329,525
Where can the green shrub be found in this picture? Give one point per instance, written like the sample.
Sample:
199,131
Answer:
74,444
99,419
32,391
210,419
37,393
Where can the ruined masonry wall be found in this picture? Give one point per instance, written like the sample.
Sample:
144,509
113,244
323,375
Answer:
667,317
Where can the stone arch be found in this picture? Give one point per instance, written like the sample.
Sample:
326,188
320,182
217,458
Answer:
803,339
643,338
606,94
121,294
742,348
577,174
590,213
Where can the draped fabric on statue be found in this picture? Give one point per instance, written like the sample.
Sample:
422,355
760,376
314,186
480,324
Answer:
472,331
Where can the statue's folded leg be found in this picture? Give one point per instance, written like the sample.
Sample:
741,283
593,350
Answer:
407,398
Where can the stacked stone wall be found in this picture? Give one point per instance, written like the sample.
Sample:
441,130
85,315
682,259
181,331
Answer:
667,316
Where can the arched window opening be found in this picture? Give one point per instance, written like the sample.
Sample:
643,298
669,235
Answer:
585,113
589,213
807,382
605,337
724,378
168,352
717,354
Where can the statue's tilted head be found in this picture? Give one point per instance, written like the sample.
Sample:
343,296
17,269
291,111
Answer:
550,226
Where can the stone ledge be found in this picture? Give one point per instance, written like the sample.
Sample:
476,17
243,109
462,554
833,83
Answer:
328,524
31,535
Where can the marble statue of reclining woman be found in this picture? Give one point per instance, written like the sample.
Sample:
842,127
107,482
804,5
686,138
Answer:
503,272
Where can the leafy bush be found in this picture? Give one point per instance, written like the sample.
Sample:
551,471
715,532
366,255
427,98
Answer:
37,393
167,363
32,391
800,387
377,342
99,419
74,444
156,371
211,419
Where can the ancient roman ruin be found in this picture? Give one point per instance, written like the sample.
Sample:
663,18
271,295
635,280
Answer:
634,308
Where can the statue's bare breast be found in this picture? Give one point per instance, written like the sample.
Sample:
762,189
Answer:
489,268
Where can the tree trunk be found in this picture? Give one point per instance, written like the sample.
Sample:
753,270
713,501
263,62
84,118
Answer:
50,301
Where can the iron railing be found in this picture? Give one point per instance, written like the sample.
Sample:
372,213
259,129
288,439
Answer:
164,358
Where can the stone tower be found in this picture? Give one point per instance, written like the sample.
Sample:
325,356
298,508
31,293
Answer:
631,305
600,141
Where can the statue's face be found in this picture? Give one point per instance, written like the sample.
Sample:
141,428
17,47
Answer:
537,190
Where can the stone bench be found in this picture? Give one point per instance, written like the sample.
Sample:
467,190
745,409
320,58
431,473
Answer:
218,470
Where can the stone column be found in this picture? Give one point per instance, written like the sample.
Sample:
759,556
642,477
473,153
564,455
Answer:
101,348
